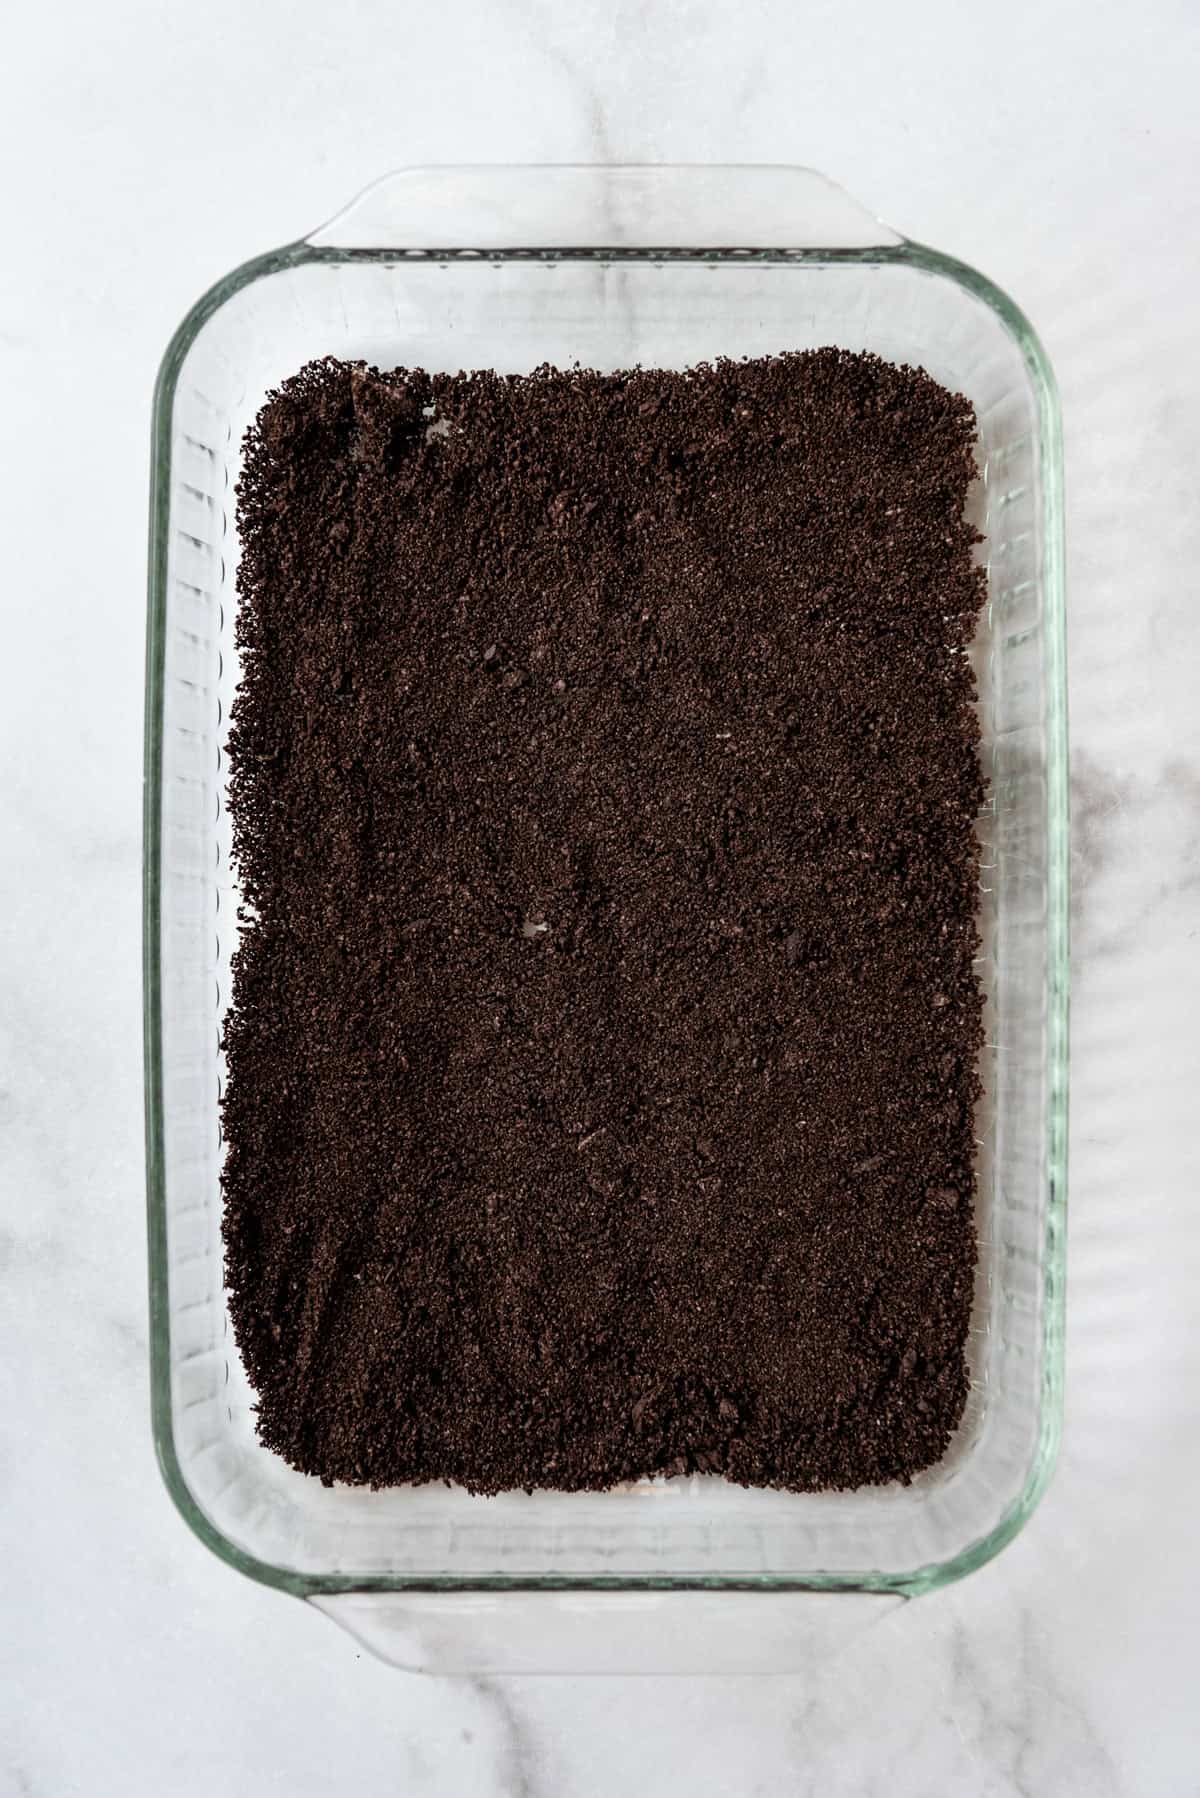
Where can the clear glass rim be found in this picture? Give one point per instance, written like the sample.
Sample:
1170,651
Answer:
909,1583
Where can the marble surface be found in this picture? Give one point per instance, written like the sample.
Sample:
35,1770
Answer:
147,148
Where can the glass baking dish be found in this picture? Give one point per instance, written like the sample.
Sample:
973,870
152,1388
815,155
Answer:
509,268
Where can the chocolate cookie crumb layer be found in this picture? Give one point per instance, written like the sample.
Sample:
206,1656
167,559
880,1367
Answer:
603,1039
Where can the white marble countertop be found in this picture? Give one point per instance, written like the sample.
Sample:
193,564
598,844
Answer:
146,149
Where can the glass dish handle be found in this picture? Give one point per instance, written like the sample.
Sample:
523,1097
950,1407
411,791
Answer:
662,207
607,1632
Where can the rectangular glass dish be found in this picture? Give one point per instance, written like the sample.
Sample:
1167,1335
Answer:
509,268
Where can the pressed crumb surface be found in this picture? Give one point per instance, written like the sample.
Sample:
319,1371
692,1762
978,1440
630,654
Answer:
603,1040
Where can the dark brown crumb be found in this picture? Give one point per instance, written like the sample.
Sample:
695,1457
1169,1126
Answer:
602,1050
